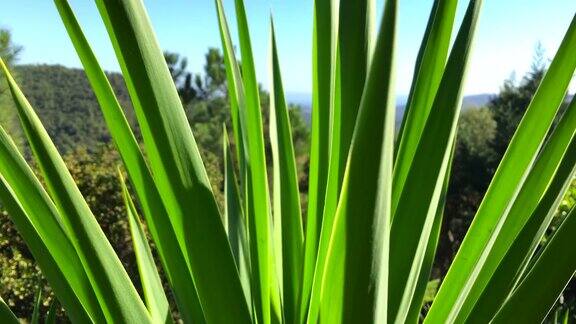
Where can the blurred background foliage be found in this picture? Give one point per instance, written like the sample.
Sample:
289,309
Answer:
66,104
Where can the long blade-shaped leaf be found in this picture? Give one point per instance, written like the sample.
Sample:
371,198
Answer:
506,184
354,32
175,161
536,295
430,254
38,221
528,218
156,300
418,202
426,80
355,277
37,305
116,294
235,219
6,314
238,104
327,223
287,212
257,205
525,244
258,200
173,258
319,142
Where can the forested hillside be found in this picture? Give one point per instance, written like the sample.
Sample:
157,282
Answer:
66,104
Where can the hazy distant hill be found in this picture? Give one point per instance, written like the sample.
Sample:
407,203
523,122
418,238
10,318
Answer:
305,102
476,101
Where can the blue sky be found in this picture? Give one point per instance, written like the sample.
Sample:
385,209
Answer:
508,32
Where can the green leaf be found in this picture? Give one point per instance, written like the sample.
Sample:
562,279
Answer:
352,34
156,300
355,281
537,293
492,214
257,209
258,201
175,161
428,73
37,305
116,294
6,314
235,219
172,257
324,37
51,315
418,202
328,215
423,289
287,213
530,216
39,224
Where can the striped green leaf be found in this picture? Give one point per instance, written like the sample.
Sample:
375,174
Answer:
163,233
506,185
175,161
422,286
172,257
326,223
352,34
156,300
287,212
419,200
256,186
354,38
529,217
536,294
235,219
116,294
322,72
428,73
39,223
258,200
355,281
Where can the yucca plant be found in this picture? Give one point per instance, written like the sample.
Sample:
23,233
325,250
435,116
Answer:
376,195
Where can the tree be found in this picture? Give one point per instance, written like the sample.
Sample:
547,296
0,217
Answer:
195,86
510,104
9,52
215,72
182,78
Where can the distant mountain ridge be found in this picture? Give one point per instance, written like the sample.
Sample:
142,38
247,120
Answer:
305,102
